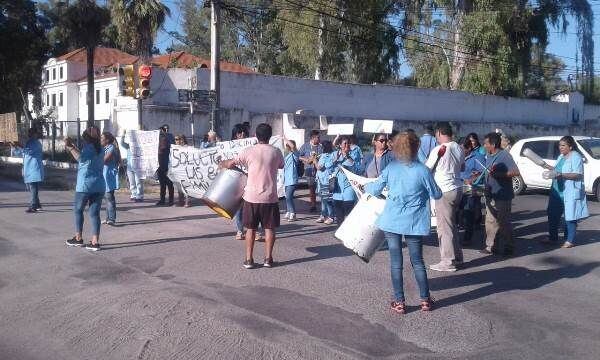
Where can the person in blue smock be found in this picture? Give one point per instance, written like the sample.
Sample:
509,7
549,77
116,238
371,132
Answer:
290,178
474,140
33,169
344,196
380,158
406,213
471,202
325,168
427,143
90,185
136,182
567,194
112,158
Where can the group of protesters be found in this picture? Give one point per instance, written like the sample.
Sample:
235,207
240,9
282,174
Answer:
412,170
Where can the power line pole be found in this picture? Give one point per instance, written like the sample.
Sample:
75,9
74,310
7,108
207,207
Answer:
215,48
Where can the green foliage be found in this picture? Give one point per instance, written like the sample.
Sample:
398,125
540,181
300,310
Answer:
23,49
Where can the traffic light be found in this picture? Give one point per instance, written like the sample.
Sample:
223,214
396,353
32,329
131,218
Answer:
127,78
145,73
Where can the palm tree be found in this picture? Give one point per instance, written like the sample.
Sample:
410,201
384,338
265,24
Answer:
137,22
85,22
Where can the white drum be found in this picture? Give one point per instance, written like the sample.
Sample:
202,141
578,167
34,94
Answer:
358,232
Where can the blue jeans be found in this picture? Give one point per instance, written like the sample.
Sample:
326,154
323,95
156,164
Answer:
327,208
95,201
237,219
415,251
136,185
556,209
34,189
289,198
111,206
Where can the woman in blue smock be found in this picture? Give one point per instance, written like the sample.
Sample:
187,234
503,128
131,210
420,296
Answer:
33,169
410,186
344,196
90,185
112,158
567,194
325,168
290,178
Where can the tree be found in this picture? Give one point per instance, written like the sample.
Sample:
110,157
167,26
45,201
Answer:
23,50
137,22
85,21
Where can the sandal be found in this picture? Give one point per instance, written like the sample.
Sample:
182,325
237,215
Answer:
398,306
427,304
567,245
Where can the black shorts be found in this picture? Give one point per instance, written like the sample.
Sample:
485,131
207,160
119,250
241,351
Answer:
265,214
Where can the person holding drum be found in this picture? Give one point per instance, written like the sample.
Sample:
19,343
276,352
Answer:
410,186
325,168
343,195
567,194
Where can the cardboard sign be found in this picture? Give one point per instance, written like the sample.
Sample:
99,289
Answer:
195,169
340,129
8,127
143,146
378,126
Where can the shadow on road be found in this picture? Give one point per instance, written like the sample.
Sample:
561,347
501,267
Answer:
321,253
113,246
506,279
161,220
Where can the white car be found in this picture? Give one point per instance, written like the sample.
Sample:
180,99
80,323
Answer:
547,148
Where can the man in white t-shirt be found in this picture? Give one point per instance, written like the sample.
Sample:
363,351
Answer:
446,161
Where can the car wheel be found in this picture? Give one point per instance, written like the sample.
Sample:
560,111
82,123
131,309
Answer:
598,190
518,185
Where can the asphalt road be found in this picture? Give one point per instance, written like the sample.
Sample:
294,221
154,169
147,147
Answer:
169,284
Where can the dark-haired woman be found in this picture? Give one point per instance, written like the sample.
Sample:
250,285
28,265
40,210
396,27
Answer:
90,185
406,214
112,158
567,194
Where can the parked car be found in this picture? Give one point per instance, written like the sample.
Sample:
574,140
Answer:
547,148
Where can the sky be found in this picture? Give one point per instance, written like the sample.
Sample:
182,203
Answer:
562,45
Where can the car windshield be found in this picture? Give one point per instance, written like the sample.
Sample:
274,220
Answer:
591,146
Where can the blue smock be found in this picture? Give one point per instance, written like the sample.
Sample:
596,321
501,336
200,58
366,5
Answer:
344,189
327,165
111,169
290,168
357,155
428,142
574,190
406,211
89,172
558,184
33,168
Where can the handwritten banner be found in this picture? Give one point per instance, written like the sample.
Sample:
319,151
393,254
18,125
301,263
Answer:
8,127
195,169
143,146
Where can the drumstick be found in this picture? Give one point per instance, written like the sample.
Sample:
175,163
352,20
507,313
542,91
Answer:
531,155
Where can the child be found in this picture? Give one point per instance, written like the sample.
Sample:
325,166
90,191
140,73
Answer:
290,178
325,168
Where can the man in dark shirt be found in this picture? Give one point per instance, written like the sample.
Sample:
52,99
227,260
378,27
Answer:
165,140
309,153
500,169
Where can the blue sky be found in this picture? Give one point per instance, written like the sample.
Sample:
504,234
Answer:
564,46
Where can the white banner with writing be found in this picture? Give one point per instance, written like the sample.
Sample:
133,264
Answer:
195,169
143,146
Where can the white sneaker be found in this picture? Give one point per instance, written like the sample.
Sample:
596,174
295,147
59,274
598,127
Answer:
292,217
321,219
328,221
443,268
287,215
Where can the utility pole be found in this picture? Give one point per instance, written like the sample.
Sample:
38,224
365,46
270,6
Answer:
192,82
215,78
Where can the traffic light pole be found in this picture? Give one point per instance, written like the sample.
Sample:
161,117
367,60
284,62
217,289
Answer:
215,78
139,113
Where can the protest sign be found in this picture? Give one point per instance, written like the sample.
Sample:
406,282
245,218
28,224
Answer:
378,126
340,129
195,169
143,146
8,127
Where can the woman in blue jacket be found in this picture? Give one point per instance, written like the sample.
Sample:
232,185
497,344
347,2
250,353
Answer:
343,195
90,185
33,169
567,194
112,158
290,178
410,186
325,168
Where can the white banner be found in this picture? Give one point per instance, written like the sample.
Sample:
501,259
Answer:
195,169
378,126
143,146
340,129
